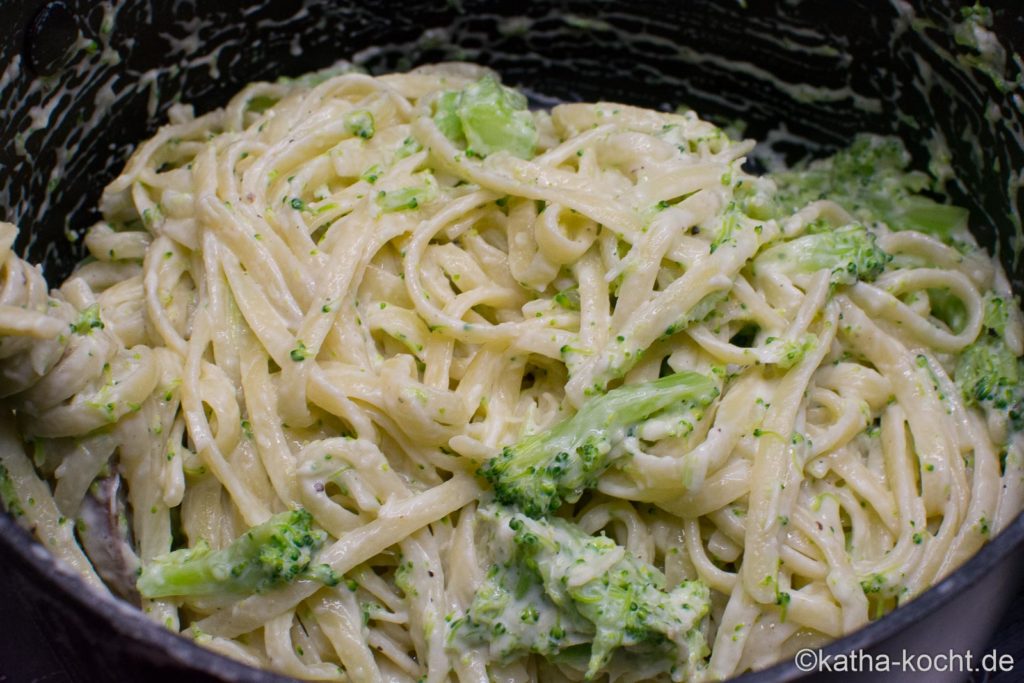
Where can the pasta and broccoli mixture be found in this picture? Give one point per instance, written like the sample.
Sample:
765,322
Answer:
393,379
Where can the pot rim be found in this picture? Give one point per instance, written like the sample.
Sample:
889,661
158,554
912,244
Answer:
131,623
44,569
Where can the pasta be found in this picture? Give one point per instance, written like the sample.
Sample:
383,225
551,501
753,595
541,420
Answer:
323,297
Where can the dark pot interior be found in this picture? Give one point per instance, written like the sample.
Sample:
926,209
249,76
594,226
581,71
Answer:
81,82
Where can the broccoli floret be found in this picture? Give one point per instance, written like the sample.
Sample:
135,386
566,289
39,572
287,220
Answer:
562,588
541,471
851,253
987,372
513,616
989,375
487,117
273,553
869,179
997,314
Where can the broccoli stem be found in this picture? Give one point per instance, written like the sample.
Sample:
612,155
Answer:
276,552
541,471
487,117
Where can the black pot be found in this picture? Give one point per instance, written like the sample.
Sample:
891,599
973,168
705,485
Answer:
80,82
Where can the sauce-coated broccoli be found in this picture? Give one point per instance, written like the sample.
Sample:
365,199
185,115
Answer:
562,588
487,117
273,553
542,470
989,375
869,179
850,253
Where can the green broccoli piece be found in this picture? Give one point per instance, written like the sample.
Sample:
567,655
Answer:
987,372
273,553
408,147
403,199
360,124
408,198
260,103
511,614
997,313
9,494
446,116
793,351
727,229
540,471
486,117
869,179
989,375
948,308
88,320
851,253
562,588
569,299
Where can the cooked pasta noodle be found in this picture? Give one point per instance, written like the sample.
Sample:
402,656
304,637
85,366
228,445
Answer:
315,299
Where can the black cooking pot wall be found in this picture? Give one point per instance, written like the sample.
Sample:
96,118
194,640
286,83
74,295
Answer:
85,80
